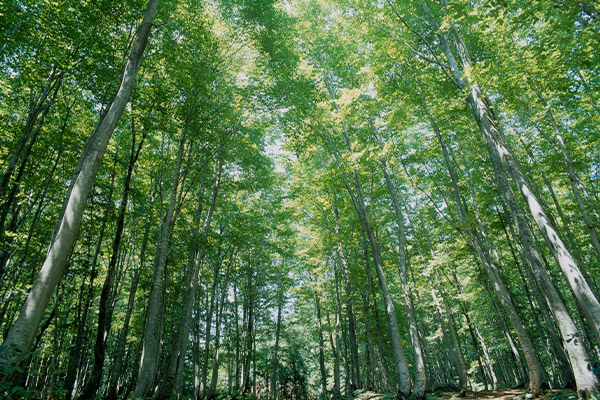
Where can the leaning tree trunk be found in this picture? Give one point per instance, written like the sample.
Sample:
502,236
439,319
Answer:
497,147
577,187
22,333
564,365
485,258
585,379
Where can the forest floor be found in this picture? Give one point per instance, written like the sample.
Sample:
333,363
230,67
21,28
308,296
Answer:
508,394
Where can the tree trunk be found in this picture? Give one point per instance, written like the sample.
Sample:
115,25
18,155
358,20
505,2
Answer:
321,346
577,188
107,295
152,330
420,381
178,351
215,370
116,366
22,333
498,149
275,359
403,375
367,305
356,382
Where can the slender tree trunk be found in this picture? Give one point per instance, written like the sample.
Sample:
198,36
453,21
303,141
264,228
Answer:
275,359
585,379
152,331
75,356
215,370
514,351
321,346
336,348
176,360
420,381
476,337
116,366
370,385
486,259
107,295
559,352
24,330
247,339
403,375
356,381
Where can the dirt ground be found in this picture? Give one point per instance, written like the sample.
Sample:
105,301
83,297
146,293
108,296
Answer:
508,394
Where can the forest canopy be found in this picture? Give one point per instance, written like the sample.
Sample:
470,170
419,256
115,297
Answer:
299,199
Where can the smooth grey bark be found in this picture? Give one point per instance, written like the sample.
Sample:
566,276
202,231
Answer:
215,369
321,345
498,149
275,358
578,355
477,238
420,381
495,142
483,254
356,381
403,375
563,218
152,330
577,188
564,365
496,146
22,333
